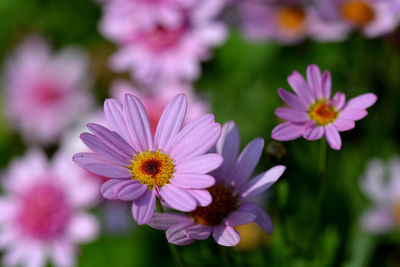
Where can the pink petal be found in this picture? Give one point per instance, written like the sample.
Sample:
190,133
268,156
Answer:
240,218
226,235
313,132
202,197
198,231
83,228
164,221
63,254
171,121
261,182
292,100
246,163
201,164
143,208
95,164
339,99
176,234
107,190
362,101
291,115
333,137
138,123
177,198
315,80
379,220
352,114
262,218
326,84
344,125
301,88
287,131
131,191
192,180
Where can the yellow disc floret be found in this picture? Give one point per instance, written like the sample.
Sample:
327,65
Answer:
322,113
358,12
152,168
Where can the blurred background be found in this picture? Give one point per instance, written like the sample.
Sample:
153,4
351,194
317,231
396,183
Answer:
238,82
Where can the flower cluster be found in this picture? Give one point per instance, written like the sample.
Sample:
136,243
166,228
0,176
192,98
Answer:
291,21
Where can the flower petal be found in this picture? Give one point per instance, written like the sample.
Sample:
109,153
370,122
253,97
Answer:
95,164
192,180
315,80
352,114
291,115
339,99
326,84
143,207
201,164
292,100
344,125
226,235
177,198
313,132
164,221
262,218
362,101
131,191
333,137
198,231
301,88
83,228
176,234
171,121
202,197
261,182
287,131
239,218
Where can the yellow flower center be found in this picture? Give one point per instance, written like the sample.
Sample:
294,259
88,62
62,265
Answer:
291,18
223,203
358,12
152,168
397,213
322,113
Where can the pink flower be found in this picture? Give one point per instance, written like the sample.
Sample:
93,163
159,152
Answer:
231,196
335,19
41,211
381,183
172,165
161,53
45,93
156,100
312,113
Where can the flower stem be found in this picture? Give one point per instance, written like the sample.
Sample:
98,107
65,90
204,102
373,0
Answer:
172,247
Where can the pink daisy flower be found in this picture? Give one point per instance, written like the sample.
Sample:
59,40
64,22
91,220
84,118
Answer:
39,86
163,53
231,196
156,101
172,165
41,211
335,19
312,113
381,183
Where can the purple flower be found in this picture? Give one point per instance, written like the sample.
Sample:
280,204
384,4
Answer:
381,183
171,166
41,211
231,196
39,87
312,113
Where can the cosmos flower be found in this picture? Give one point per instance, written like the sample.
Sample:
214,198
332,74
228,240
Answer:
381,183
41,211
172,165
335,19
163,54
39,86
282,21
312,113
156,100
231,196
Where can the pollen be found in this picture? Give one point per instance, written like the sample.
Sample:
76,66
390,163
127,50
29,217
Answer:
322,113
152,168
224,202
358,12
291,18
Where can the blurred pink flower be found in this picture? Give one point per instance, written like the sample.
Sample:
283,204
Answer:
231,196
312,113
172,165
162,53
381,183
44,93
41,211
335,19
281,21
156,100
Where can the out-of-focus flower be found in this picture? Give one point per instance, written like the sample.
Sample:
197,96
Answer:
172,165
381,183
231,196
281,21
312,113
335,19
45,93
162,53
41,212
155,101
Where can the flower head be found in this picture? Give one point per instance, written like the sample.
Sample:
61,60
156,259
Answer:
40,86
384,215
231,196
312,113
172,165
41,211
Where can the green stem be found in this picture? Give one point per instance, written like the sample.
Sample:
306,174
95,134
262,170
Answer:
172,247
